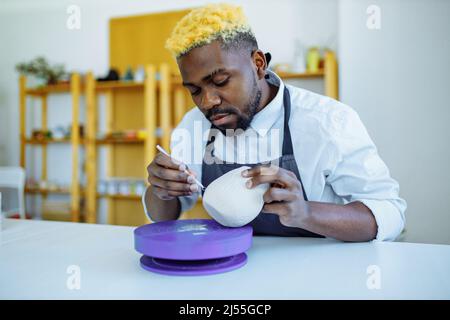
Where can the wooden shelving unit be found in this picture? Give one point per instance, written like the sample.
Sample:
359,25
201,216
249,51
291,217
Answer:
129,105
42,93
90,88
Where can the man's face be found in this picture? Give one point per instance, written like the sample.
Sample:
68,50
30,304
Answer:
223,84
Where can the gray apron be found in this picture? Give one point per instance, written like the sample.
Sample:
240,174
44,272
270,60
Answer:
264,223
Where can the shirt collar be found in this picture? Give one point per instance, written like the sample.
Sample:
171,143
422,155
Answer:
264,120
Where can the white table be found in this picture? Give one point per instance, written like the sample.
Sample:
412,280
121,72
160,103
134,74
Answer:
35,256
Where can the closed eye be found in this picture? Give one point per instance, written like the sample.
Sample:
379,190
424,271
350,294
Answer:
220,84
223,83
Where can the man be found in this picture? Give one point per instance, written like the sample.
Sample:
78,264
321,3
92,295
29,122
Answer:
329,180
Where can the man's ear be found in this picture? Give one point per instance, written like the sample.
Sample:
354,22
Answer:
260,62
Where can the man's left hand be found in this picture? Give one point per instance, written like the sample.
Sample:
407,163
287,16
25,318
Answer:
285,195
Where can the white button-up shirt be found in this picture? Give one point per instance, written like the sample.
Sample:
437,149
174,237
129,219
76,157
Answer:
337,160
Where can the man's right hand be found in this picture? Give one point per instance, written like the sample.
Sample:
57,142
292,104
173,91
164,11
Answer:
168,179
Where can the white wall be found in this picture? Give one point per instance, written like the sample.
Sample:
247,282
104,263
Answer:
29,28
397,78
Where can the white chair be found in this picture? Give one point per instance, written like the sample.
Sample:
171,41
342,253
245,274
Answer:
14,178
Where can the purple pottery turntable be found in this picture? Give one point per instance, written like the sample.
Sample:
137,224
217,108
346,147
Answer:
192,247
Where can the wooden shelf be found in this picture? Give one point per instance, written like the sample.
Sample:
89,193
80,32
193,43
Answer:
46,191
74,87
120,141
120,196
67,192
50,141
52,88
110,85
99,86
305,75
98,141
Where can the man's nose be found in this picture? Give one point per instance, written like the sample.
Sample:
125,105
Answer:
210,99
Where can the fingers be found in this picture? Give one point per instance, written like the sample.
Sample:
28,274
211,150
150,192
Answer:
192,173
172,185
167,194
273,174
167,179
277,208
168,174
258,170
172,174
279,194
169,162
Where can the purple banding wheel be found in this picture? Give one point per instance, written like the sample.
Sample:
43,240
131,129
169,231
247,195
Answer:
198,239
193,268
192,247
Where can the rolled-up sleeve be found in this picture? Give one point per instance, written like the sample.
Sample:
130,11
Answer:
359,174
182,146
144,204
186,203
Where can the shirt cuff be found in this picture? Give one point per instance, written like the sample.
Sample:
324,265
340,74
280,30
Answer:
145,205
186,203
389,219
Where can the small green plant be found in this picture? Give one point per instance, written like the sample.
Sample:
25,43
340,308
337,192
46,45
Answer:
40,68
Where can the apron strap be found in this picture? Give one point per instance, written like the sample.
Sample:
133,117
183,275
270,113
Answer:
287,141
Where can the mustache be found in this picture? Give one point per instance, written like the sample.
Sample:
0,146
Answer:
211,113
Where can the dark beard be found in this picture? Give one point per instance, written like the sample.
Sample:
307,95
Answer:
243,121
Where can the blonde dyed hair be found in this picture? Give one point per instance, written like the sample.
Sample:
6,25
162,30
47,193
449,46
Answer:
206,24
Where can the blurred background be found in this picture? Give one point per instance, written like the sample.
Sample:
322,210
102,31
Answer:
87,89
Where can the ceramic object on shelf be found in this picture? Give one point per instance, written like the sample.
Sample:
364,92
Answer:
313,59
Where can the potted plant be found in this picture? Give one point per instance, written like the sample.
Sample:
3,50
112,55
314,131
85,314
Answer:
41,70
